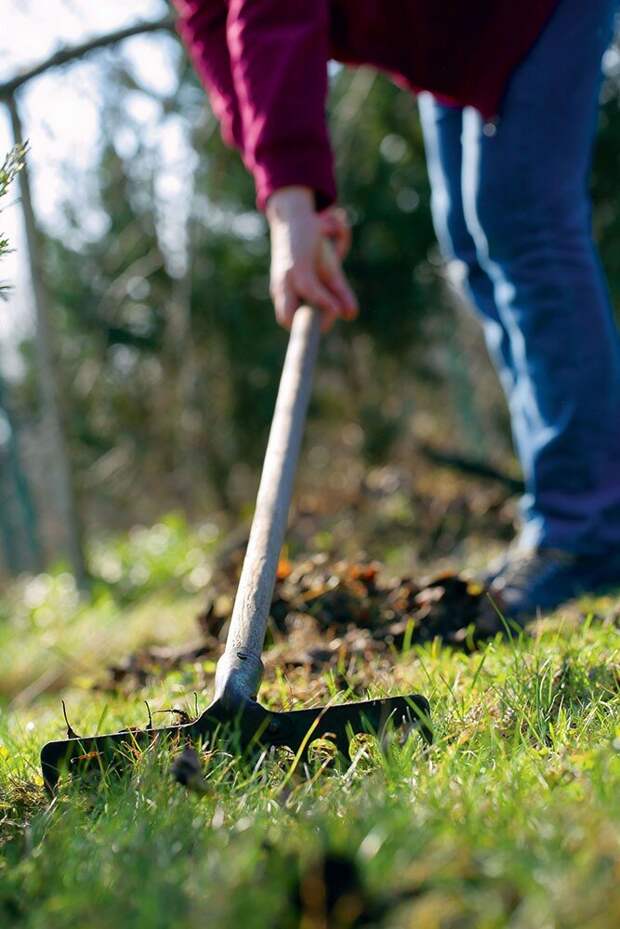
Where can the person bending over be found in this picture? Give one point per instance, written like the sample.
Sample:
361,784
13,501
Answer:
508,103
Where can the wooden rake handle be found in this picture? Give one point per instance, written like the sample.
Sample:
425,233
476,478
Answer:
239,670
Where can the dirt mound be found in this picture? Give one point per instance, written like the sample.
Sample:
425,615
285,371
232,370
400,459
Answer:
323,611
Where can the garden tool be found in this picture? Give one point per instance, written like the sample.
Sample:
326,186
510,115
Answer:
235,713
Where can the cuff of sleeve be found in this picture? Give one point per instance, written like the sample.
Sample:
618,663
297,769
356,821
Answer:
296,168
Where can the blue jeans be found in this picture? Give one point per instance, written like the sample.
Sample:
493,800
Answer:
510,203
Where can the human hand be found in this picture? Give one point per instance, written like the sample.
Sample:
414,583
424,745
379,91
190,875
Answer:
304,268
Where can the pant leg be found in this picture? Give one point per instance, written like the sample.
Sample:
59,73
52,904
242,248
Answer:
442,127
526,203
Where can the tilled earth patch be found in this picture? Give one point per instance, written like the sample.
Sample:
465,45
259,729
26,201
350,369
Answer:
324,613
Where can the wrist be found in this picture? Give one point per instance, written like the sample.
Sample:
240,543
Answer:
287,202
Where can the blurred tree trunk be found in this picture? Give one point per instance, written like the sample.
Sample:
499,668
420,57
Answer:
61,478
17,512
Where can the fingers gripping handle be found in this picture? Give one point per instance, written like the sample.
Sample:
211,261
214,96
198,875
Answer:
239,670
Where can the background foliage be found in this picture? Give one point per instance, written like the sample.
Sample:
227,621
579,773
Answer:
168,353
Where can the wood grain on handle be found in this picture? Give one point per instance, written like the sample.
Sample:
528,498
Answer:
253,600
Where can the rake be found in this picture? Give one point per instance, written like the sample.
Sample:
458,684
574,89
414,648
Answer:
235,713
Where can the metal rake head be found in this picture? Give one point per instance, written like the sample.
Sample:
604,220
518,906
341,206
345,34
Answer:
251,727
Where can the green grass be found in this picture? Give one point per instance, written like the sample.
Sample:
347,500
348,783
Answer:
512,819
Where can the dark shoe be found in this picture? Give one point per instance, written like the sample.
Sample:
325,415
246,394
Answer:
541,580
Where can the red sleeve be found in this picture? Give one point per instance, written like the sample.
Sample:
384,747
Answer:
279,53
202,26
268,79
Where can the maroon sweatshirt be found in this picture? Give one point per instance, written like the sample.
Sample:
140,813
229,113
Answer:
264,63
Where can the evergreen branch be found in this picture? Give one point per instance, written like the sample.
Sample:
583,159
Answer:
12,164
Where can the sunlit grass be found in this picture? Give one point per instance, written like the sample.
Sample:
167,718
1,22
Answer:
147,590
512,819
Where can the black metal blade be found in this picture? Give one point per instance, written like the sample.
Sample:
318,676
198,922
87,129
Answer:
253,727
297,729
90,753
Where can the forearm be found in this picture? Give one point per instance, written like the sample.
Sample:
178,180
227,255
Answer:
202,25
264,63
279,54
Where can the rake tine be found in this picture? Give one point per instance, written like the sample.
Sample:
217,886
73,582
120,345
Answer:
71,733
